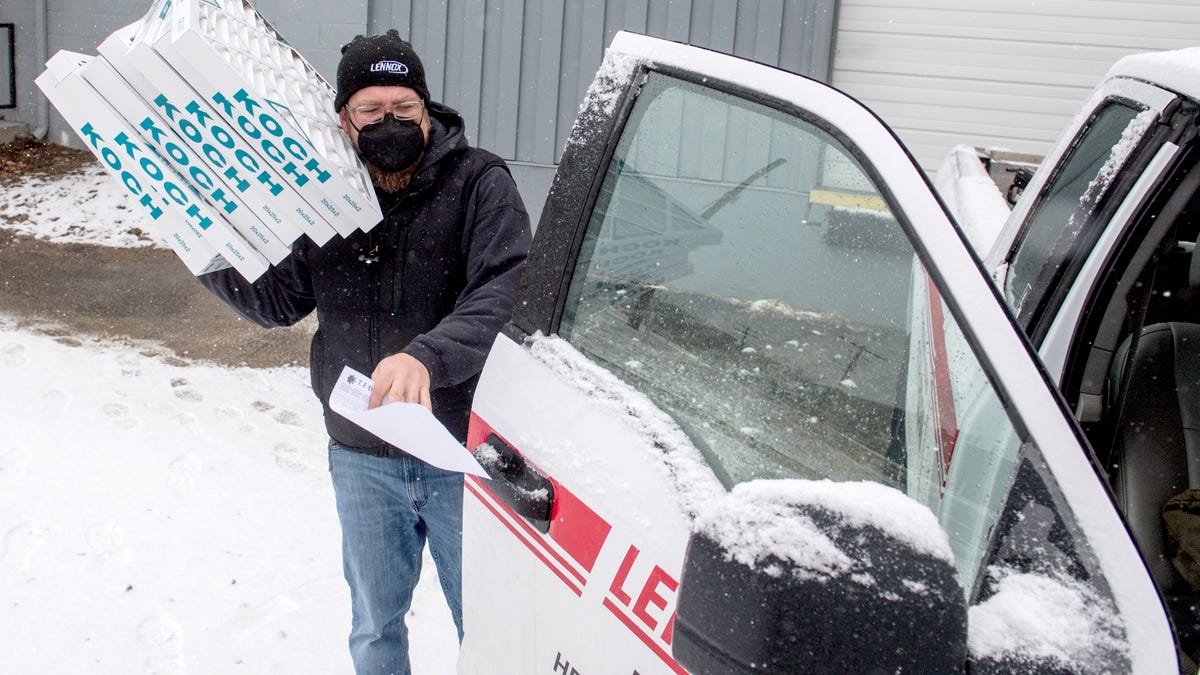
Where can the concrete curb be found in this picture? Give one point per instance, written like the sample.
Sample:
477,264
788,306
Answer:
9,131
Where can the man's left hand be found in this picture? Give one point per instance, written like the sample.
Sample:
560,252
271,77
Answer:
400,377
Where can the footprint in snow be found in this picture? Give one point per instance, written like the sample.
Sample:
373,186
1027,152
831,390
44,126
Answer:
19,545
165,665
162,639
228,412
55,402
121,415
106,539
130,365
288,459
183,390
159,632
288,417
13,354
188,421
13,462
182,473
282,416
252,623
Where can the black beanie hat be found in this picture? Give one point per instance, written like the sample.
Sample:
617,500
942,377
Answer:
383,60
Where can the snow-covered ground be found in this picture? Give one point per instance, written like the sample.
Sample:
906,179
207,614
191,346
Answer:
165,516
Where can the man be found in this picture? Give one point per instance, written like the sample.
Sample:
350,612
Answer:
416,302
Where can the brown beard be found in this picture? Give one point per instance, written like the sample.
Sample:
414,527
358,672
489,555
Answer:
392,181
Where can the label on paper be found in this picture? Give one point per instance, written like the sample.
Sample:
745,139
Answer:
408,426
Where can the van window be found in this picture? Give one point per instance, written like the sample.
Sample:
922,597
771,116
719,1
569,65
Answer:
1059,227
742,271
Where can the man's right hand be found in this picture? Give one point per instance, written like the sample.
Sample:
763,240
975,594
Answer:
400,377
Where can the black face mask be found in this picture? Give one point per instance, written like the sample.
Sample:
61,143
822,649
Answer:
391,144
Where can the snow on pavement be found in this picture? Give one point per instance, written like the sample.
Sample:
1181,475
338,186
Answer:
170,517
87,207
160,515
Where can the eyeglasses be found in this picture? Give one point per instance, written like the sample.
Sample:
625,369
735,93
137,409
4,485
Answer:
370,113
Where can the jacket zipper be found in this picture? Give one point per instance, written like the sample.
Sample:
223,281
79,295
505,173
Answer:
400,256
373,274
372,323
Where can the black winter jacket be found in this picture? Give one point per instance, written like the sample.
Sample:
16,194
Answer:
435,279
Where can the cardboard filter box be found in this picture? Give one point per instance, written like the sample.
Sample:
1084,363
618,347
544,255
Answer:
213,97
177,107
265,89
176,215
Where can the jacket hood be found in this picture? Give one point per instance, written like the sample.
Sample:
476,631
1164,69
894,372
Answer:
446,135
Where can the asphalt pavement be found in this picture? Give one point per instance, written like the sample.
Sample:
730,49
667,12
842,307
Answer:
141,295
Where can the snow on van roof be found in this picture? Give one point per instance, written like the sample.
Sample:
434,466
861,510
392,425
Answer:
1177,70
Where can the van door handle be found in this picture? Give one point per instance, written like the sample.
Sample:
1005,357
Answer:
516,483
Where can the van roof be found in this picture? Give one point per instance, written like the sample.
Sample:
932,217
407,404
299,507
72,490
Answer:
1177,70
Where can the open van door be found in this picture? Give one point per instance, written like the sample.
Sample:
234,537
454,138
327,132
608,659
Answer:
741,278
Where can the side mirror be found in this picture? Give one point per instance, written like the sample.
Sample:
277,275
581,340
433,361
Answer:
817,576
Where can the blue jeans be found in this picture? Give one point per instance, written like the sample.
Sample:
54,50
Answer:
388,508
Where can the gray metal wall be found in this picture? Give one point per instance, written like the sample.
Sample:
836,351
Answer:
68,24
516,69
316,27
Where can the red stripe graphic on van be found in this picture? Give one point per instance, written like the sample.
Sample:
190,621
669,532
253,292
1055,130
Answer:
646,639
575,528
945,419
526,535
580,534
579,530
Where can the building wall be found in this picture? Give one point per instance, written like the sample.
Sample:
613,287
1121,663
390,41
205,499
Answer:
516,69
993,73
71,24
20,13
317,29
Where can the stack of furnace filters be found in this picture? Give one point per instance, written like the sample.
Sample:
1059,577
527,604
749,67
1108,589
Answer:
225,136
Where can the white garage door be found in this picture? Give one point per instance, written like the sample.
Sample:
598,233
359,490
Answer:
992,73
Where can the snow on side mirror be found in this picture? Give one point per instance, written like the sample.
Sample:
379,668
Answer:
815,576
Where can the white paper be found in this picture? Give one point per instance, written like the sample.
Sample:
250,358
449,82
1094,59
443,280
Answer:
408,426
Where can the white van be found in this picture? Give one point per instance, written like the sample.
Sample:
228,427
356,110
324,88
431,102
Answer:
762,409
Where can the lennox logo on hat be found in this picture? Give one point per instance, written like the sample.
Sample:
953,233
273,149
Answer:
379,60
394,67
